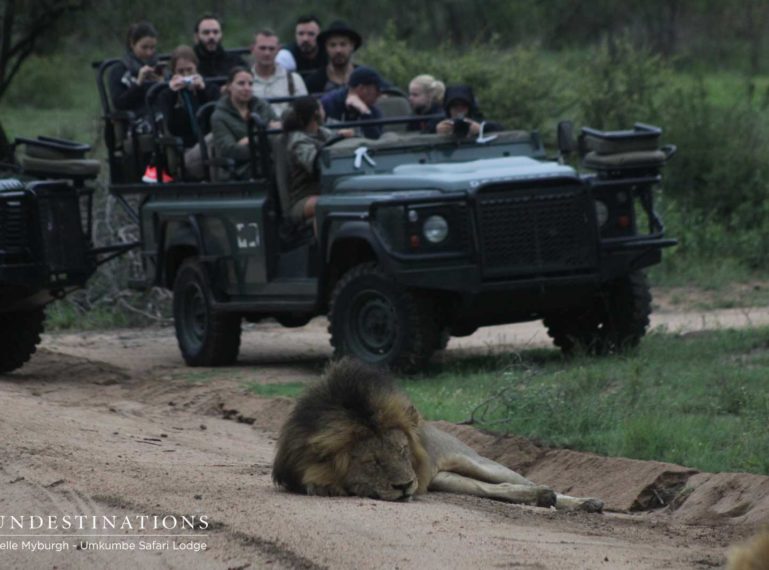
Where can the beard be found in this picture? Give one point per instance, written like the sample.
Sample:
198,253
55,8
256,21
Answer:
340,60
307,47
211,45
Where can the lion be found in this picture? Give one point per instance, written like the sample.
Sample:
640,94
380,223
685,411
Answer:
751,555
356,433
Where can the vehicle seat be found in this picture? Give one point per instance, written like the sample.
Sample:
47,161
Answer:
57,158
168,149
126,147
394,103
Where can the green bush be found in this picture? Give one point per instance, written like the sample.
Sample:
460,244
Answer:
618,84
47,83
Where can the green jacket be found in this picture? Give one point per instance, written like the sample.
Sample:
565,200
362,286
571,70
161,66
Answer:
228,127
302,149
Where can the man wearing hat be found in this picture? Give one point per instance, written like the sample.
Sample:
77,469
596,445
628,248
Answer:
357,101
339,41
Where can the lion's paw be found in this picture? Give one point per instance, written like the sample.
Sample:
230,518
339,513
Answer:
546,497
592,506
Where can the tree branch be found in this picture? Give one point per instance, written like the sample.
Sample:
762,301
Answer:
39,20
8,19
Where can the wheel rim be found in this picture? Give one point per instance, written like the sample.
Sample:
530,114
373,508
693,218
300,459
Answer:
194,315
373,324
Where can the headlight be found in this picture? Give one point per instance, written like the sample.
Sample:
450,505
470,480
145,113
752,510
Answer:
601,213
436,229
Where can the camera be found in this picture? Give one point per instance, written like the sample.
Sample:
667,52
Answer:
188,79
461,127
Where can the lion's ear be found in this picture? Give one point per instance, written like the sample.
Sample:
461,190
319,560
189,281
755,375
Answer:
413,415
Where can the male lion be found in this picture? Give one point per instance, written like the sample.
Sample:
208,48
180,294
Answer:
355,433
751,555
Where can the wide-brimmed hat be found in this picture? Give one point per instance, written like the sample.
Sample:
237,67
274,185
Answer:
340,28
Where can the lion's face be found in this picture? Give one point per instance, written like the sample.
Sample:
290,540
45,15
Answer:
380,468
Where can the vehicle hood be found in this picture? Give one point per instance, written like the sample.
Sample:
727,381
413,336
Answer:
456,176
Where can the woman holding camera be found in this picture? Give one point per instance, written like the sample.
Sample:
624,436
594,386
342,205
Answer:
131,78
187,92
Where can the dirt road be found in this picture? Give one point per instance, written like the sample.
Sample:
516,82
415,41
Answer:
110,429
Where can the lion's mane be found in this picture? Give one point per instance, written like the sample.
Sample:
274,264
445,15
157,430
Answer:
352,401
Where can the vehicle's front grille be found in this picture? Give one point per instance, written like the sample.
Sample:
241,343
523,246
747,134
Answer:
14,229
535,231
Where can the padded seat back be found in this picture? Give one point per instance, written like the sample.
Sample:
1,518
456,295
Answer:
205,140
57,158
48,168
281,168
394,105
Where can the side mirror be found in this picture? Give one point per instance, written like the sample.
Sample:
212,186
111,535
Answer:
566,142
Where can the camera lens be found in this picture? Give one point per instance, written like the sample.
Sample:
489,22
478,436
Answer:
461,128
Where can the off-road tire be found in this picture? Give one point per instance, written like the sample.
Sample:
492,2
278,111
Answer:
19,336
615,322
206,337
375,319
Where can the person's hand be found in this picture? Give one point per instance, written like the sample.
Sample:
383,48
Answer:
177,83
146,73
346,133
244,140
198,82
275,125
192,82
475,128
445,127
357,103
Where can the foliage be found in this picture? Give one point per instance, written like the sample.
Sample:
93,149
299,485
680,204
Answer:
22,25
40,86
619,84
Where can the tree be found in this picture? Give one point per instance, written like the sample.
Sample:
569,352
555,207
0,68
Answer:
23,24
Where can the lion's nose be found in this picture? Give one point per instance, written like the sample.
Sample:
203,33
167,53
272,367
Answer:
404,487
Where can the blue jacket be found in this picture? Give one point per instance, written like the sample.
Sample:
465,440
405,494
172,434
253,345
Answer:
334,104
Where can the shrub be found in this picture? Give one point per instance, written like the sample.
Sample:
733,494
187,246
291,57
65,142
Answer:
46,83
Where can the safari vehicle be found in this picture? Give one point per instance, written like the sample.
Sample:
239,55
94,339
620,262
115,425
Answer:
46,249
417,238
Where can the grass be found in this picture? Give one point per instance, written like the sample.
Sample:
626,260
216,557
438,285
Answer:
288,390
61,316
699,400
